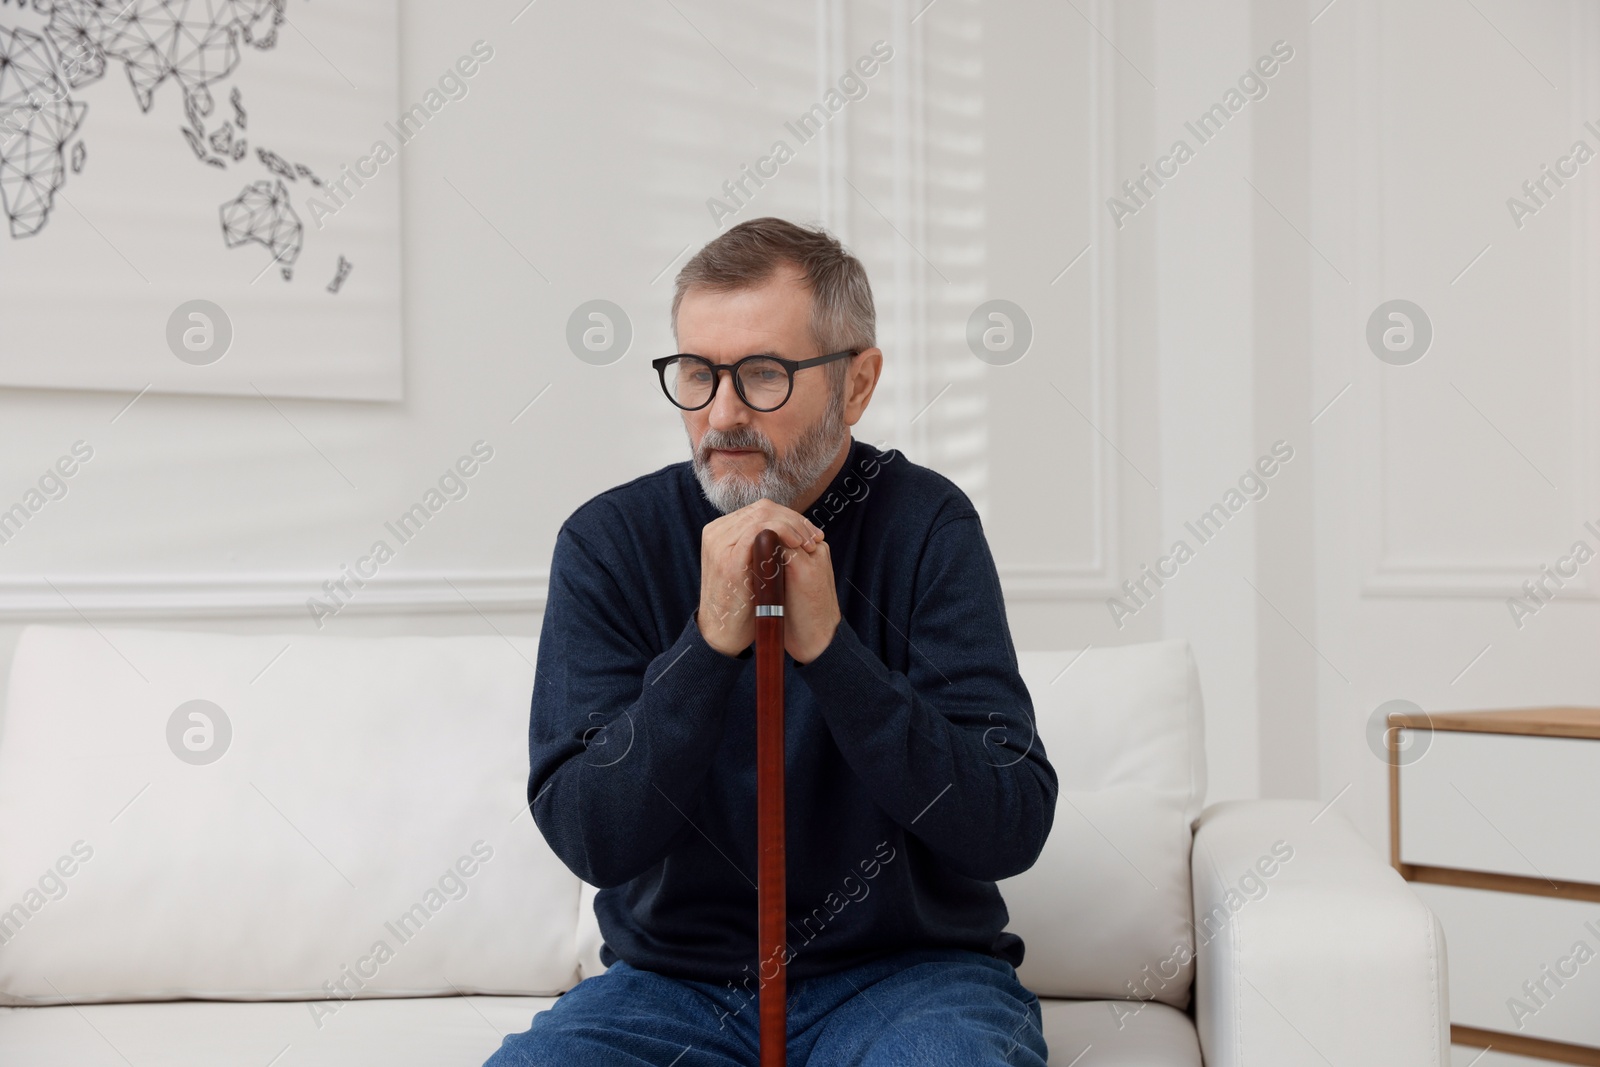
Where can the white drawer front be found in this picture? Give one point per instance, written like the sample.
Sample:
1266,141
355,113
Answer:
1496,942
1503,803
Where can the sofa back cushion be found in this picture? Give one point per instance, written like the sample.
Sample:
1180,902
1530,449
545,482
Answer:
272,817
1106,911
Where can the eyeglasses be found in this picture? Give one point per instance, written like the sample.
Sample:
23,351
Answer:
762,382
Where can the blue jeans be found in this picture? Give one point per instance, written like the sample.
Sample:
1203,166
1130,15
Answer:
926,1008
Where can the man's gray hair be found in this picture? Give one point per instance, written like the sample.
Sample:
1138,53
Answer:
842,315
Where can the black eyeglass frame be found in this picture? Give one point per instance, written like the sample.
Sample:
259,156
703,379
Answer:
790,365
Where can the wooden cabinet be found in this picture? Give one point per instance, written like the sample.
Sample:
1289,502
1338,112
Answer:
1495,815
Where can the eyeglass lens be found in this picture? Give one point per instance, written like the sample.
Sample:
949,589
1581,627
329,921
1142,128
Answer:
764,382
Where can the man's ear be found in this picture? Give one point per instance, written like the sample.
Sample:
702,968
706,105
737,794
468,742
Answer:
862,381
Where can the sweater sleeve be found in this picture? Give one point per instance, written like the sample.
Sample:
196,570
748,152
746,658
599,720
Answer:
620,737
948,749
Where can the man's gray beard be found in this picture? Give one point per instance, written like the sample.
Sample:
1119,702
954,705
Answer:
782,479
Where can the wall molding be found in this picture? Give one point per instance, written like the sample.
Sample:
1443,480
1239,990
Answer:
1487,578
1098,579
1474,581
283,594
1101,582
75,597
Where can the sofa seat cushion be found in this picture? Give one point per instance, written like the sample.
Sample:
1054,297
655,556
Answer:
464,1031
1118,1033
394,1032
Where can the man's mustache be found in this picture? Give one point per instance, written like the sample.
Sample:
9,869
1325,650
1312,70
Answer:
709,443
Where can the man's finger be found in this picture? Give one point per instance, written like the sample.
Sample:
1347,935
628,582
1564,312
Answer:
790,532
772,514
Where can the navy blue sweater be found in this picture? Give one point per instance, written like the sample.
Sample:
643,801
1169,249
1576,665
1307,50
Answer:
915,779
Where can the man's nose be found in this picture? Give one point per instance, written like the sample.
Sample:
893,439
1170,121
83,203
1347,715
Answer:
727,410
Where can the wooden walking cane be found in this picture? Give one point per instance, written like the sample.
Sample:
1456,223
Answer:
766,566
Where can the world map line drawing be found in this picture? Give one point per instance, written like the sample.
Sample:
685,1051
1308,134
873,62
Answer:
194,43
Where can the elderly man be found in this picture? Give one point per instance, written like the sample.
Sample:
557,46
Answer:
914,777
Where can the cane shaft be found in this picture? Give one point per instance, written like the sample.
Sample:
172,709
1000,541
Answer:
772,868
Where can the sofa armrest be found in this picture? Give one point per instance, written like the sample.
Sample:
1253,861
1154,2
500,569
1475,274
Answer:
1310,949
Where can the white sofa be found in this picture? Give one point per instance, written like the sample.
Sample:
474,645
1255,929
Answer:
330,861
